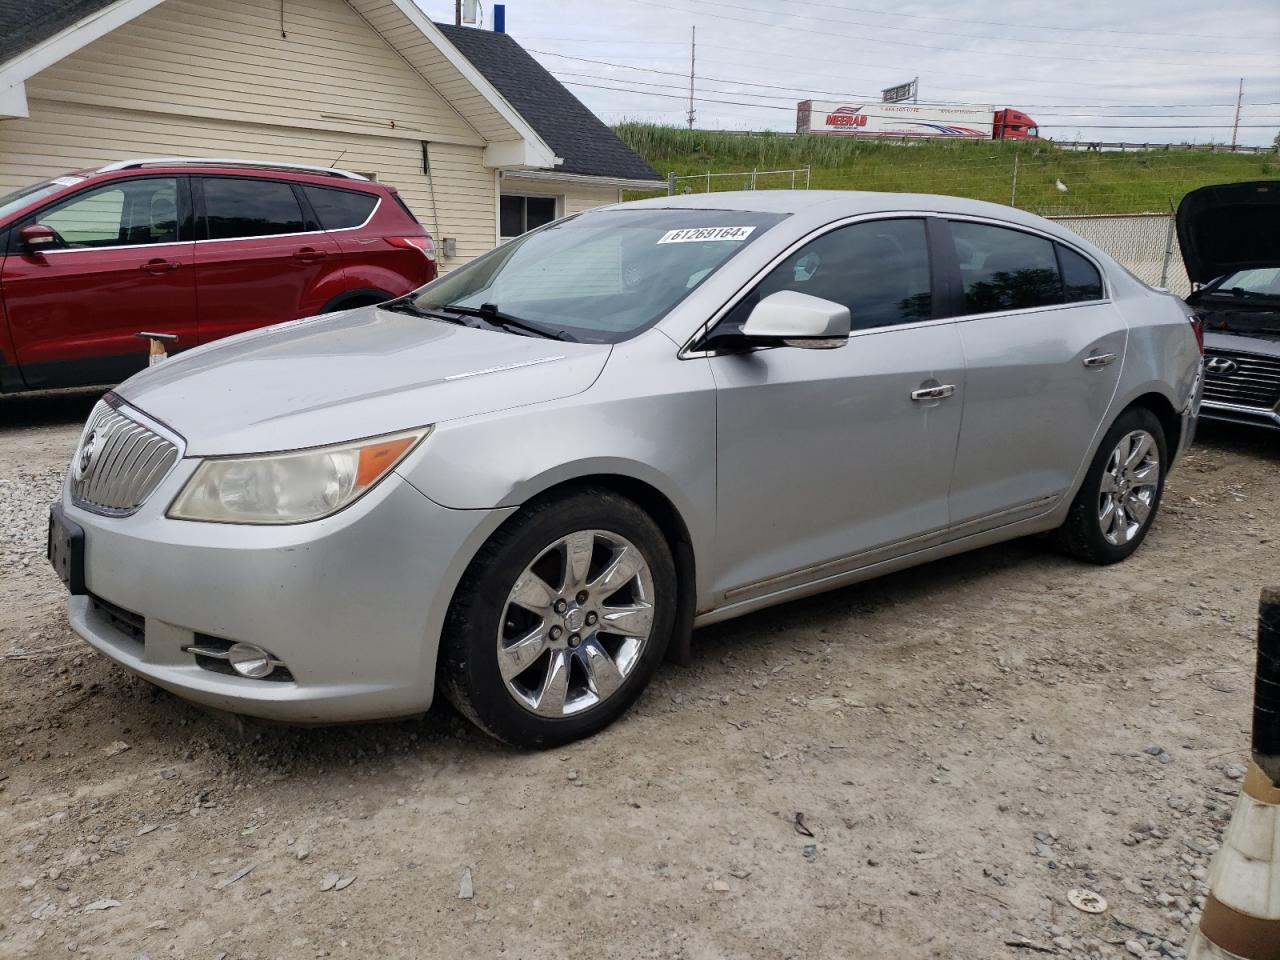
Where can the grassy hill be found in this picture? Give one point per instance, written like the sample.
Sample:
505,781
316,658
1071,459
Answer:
1096,182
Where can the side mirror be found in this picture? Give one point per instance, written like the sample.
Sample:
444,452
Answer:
36,238
799,320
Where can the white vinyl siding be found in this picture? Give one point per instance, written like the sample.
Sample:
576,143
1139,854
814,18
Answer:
225,59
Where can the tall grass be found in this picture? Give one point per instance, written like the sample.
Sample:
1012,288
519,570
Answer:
1149,181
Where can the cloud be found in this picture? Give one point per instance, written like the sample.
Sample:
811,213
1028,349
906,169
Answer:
1057,61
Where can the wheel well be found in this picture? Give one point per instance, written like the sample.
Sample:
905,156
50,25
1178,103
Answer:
663,512
350,299
1169,419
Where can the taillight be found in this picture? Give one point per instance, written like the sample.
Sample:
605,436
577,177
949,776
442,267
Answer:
1197,324
424,245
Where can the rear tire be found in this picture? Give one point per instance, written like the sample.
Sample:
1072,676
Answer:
527,652
1120,496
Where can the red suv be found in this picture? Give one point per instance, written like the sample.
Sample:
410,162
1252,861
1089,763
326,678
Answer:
196,249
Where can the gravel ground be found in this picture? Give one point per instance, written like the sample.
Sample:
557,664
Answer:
920,766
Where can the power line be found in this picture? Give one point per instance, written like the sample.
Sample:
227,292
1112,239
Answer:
843,94
1078,126
1092,44
791,100
1015,26
810,58
903,43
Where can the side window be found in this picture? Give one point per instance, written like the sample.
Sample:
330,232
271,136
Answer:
1080,278
122,213
1003,269
340,209
235,207
879,269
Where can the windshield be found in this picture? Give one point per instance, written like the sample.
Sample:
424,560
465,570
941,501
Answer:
1259,282
601,276
26,196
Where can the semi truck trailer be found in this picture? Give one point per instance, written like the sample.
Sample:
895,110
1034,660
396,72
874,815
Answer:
926,120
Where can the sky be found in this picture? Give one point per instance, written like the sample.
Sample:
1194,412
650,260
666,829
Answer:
1118,70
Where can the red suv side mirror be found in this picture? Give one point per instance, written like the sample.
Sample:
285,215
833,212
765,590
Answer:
36,237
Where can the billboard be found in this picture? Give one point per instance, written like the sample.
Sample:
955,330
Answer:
951,121
903,91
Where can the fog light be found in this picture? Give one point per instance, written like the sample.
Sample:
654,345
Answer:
250,661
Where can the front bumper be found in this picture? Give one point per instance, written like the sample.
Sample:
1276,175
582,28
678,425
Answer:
1248,416
352,604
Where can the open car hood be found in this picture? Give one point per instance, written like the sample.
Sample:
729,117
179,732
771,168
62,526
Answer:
1229,227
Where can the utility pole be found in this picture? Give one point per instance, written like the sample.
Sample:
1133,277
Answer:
1235,126
693,59
457,13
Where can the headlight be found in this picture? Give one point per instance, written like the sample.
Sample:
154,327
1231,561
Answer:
290,487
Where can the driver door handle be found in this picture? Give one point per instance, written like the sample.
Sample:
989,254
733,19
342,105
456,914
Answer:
934,393
1100,360
160,266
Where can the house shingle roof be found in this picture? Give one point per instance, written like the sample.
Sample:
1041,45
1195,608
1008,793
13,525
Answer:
25,23
589,148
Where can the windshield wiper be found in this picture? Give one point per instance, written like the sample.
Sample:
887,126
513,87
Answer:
490,313
406,305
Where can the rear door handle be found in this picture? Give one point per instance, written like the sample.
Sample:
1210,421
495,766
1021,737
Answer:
160,266
309,254
934,393
1100,360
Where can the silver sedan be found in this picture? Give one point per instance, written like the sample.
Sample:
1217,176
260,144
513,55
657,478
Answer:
527,482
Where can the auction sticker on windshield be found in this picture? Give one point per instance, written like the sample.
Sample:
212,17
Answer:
702,234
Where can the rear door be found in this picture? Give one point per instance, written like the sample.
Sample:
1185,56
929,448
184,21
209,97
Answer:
1044,348
259,258
124,264
831,459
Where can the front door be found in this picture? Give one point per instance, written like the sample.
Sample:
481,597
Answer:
1044,349
259,261
832,459
122,265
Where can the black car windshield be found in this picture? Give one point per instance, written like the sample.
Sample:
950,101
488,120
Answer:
24,197
602,276
1244,284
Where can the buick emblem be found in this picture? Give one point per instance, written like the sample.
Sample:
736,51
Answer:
88,450
1220,366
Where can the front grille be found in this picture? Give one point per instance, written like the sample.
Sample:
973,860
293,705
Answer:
119,462
132,625
1254,381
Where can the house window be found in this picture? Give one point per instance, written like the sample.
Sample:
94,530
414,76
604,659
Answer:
517,214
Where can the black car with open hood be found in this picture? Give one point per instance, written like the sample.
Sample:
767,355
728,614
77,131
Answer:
1230,239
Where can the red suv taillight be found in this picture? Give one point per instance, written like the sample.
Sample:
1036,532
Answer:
424,245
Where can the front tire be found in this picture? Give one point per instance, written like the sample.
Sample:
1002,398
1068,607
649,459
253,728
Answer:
560,620
1120,496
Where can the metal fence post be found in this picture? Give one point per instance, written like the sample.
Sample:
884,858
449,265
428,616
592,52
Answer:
753,178
671,184
1013,198
1168,248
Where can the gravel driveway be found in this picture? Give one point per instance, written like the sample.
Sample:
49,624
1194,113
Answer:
965,743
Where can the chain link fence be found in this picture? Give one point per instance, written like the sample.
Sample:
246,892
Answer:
1145,243
797,178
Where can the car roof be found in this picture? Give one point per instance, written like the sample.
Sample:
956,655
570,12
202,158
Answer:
839,203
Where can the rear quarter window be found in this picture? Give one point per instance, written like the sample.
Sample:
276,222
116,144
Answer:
340,209
1080,279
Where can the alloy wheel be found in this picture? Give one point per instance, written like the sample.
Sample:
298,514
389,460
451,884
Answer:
575,623
1130,483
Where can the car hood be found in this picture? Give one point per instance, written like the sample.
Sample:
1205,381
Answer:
1229,227
1228,342
344,376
